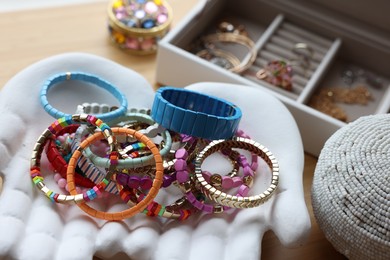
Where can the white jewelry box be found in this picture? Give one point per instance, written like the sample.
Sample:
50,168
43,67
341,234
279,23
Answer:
343,36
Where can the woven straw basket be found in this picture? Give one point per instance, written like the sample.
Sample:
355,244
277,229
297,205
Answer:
351,189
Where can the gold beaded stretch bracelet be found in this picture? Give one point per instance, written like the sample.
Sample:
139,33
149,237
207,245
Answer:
227,199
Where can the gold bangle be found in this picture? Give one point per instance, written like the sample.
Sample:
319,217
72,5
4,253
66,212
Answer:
218,56
238,39
227,199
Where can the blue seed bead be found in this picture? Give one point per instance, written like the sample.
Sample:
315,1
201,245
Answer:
131,23
149,23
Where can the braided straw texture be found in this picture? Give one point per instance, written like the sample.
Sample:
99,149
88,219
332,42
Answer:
351,189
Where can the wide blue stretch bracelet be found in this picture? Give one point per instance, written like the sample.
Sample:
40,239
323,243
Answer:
87,78
192,113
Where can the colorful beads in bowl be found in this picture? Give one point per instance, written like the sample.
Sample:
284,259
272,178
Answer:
137,25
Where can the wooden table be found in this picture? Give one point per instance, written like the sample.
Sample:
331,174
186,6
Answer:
29,36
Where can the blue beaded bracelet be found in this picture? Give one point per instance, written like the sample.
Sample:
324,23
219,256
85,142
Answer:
87,78
192,113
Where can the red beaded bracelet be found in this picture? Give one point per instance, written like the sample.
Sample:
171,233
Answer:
58,162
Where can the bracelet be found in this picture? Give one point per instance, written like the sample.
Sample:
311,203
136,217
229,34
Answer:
139,117
53,129
131,162
113,163
87,78
59,163
192,113
90,162
187,142
222,58
90,170
181,209
237,201
175,210
238,39
194,195
135,181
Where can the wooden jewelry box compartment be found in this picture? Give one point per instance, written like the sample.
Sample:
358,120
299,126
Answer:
347,75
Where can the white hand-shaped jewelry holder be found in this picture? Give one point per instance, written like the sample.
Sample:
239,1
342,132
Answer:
34,228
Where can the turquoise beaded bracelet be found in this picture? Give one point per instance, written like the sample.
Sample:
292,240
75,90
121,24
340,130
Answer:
87,78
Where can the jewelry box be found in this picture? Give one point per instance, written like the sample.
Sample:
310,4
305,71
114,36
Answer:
346,45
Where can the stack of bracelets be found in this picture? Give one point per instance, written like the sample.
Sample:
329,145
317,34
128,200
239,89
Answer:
133,153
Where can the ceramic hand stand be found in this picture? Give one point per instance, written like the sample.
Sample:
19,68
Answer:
32,227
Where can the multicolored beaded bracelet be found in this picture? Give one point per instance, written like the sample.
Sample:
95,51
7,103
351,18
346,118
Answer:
96,175
135,162
96,81
181,209
137,115
237,201
53,129
91,169
59,163
141,205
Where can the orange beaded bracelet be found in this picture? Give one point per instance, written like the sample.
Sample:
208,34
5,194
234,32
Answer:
158,179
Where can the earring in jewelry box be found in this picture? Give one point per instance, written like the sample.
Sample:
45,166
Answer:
278,73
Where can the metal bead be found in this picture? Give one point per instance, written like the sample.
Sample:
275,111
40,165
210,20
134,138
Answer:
83,117
76,117
79,198
218,209
248,180
216,180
